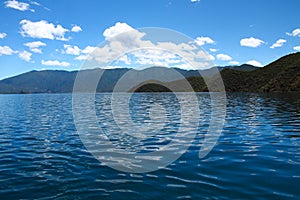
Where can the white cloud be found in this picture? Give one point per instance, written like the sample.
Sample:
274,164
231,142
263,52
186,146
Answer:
111,67
76,29
35,3
234,63
254,63
42,29
251,42
6,50
34,46
2,35
38,4
85,52
25,55
121,38
187,66
117,29
278,43
81,57
82,54
151,57
204,40
223,57
213,50
88,49
36,50
71,50
125,59
55,63
205,56
194,1
295,32
17,5
297,48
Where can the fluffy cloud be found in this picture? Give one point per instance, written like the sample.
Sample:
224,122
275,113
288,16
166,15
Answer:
151,56
81,57
17,5
204,40
2,35
117,29
76,29
25,55
254,63
223,57
234,63
295,32
6,50
297,48
251,42
88,49
42,29
71,50
34,46
82,54
55,63
194,1
204,56
121,38
278,43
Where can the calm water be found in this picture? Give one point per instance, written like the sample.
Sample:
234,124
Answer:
257,154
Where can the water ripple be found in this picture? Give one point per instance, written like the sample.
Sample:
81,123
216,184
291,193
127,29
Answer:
257,155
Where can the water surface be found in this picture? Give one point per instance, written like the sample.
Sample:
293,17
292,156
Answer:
257,154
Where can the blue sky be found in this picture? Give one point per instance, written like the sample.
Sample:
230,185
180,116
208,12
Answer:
59,34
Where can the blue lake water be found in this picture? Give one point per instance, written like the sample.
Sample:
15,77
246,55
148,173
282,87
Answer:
257,154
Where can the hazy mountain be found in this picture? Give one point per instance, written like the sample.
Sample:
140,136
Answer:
244,67
58,81
39,82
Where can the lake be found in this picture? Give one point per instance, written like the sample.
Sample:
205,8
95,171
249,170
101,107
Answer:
257,154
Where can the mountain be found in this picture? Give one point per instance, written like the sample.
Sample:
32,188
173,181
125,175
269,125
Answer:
58,81
282,75
243,67
196,84
39,82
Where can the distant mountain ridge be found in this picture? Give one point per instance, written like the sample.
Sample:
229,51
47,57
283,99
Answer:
282,75
59,81
243,67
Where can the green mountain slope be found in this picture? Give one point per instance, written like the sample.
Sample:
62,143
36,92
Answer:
196,83
282,75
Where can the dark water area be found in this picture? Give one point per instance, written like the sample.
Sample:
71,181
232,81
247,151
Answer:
256,156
